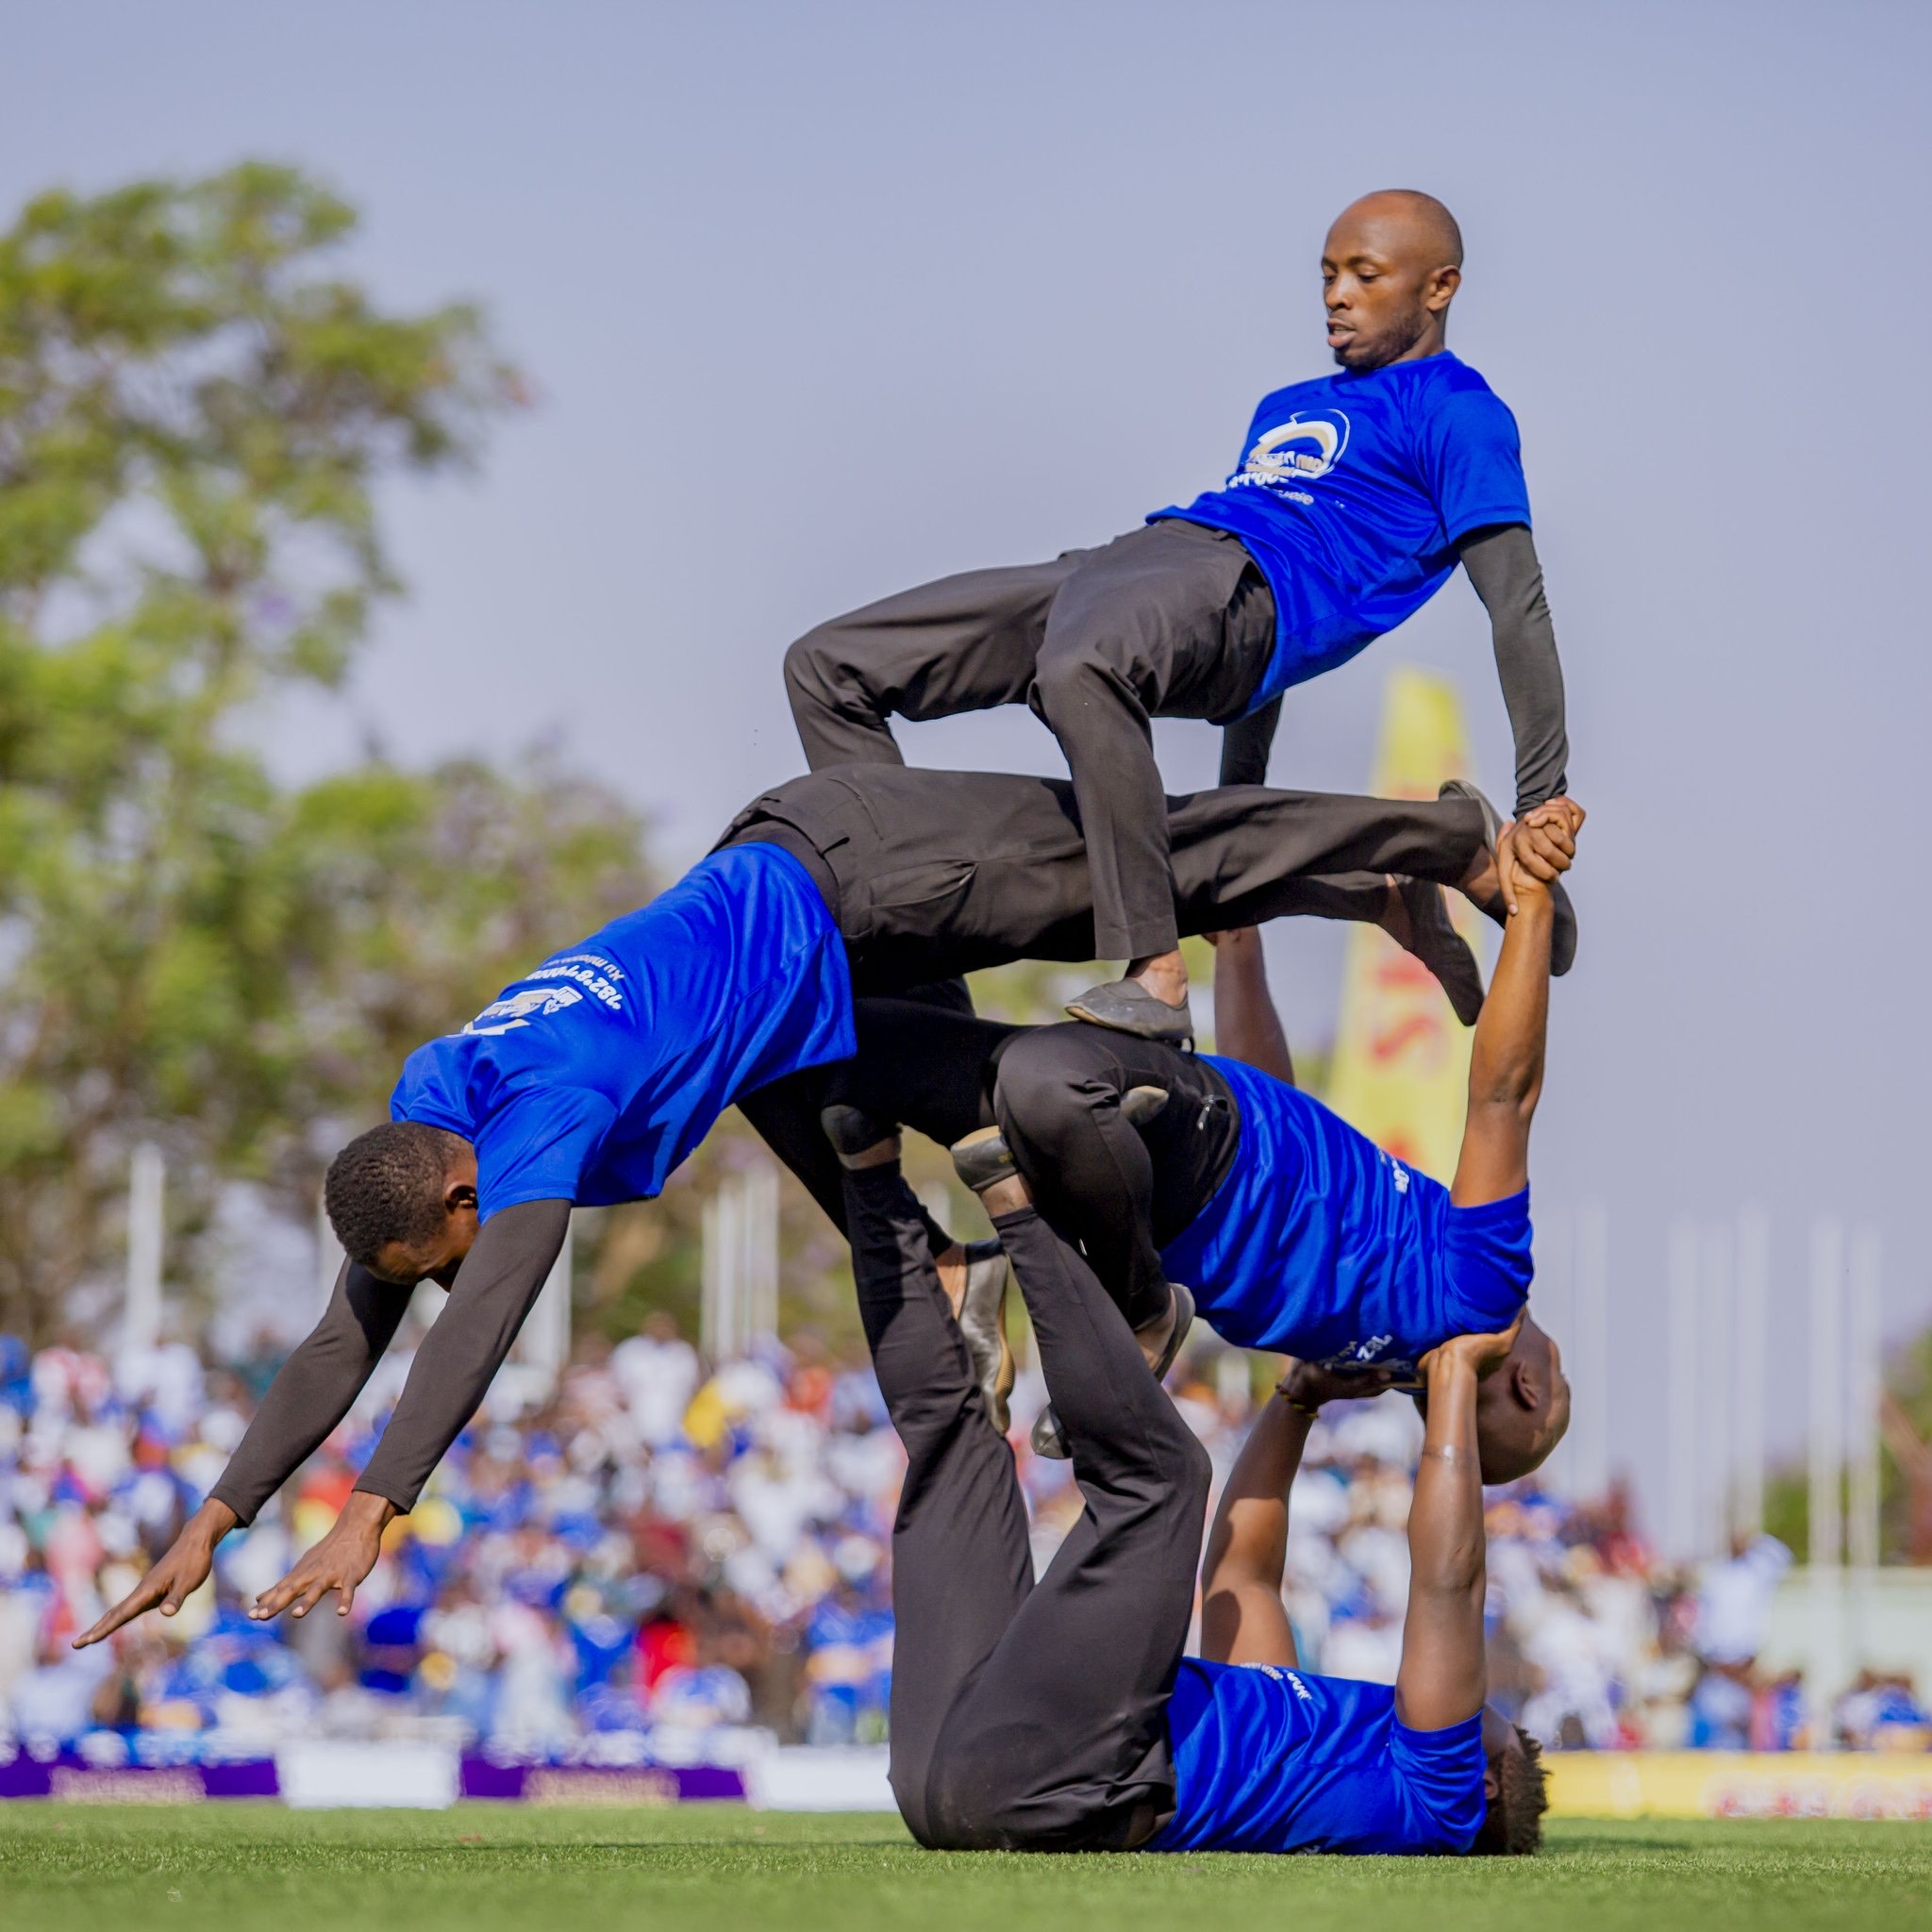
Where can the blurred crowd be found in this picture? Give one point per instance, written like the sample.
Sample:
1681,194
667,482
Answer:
652,1556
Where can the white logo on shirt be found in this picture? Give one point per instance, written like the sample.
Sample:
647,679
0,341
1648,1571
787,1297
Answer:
518,1009
1306,446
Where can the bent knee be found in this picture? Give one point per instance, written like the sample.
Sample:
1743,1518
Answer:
1045,1088
816,664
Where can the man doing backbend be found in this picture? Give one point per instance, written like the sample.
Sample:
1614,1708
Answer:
1288,1229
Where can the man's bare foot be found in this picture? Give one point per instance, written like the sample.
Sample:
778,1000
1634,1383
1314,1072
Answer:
880,1154
1164,975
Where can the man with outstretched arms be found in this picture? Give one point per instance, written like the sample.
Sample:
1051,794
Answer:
588,1081
1356,497
1061,1715
1290,1230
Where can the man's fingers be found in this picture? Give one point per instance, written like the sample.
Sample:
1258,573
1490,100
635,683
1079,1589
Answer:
143,1596
345,1596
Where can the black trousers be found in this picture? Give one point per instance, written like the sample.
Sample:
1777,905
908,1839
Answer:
934,874
1171,620
1117,1193
1026,1716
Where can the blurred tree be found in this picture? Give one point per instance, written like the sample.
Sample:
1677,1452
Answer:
193,415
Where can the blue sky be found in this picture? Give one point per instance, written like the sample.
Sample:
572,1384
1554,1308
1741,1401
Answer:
820,301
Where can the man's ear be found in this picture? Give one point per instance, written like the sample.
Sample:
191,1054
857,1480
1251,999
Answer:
1442,290
1525,1384
458,1195
1492,1779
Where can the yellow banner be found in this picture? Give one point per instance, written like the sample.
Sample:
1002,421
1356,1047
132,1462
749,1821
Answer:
1739,1784
1401,1066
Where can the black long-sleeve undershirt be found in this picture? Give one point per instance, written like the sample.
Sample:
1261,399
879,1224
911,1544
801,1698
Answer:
1502,565
495,1289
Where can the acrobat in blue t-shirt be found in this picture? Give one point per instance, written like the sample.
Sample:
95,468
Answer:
591,1078
1351,495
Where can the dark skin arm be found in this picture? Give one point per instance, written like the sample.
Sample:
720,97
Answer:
1443,1677
1242,1618
1246,1024
1506,1072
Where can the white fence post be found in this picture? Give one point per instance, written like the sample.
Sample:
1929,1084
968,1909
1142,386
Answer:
141,1312
1754,1299
1684,1515
1827,1541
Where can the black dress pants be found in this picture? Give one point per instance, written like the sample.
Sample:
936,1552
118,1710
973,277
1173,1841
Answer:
934,873
1026,1716
1171,620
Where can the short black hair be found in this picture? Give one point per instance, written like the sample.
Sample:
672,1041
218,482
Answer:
387,1185
1514,1827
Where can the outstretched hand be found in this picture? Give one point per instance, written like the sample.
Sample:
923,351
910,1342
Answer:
338,1562
173,1576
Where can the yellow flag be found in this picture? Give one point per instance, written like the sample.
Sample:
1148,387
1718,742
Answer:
1400,1068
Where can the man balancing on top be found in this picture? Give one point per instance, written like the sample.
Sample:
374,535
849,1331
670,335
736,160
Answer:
1274,1220
1061,1715
1356,496
588,1081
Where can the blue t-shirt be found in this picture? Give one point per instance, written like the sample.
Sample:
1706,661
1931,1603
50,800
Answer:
1267,1760
1352,493
591,1078
1320,1244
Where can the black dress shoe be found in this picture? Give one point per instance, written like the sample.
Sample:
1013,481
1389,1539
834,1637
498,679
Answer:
1443,950
1563,914
982,1158
1127,1007
983,1322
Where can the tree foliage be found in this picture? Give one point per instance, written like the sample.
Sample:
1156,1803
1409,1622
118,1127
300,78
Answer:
195,415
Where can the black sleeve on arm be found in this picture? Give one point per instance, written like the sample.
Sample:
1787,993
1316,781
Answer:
1502,564
314,1390
1245,746
496,1287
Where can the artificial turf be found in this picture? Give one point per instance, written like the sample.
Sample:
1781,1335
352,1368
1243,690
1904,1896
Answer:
723,1869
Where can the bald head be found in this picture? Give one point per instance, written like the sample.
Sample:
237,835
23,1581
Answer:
1390,269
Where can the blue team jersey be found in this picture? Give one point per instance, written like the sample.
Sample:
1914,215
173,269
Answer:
1267,1760
1320,1244
590,1079
1351,495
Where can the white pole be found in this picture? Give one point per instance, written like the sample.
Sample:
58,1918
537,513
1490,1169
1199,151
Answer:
1866,1384
140,1316
1827,1541
1717,1318
761,1188
1553,1303
709,1338
1590,1367
1681,1280
1754,1298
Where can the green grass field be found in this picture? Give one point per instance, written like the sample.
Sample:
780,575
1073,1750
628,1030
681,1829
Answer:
727,1870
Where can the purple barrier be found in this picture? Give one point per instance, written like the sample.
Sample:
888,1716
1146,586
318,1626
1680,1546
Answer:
597,1784
75,1781
71,1778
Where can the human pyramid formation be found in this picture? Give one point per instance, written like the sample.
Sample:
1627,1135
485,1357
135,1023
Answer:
808,970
